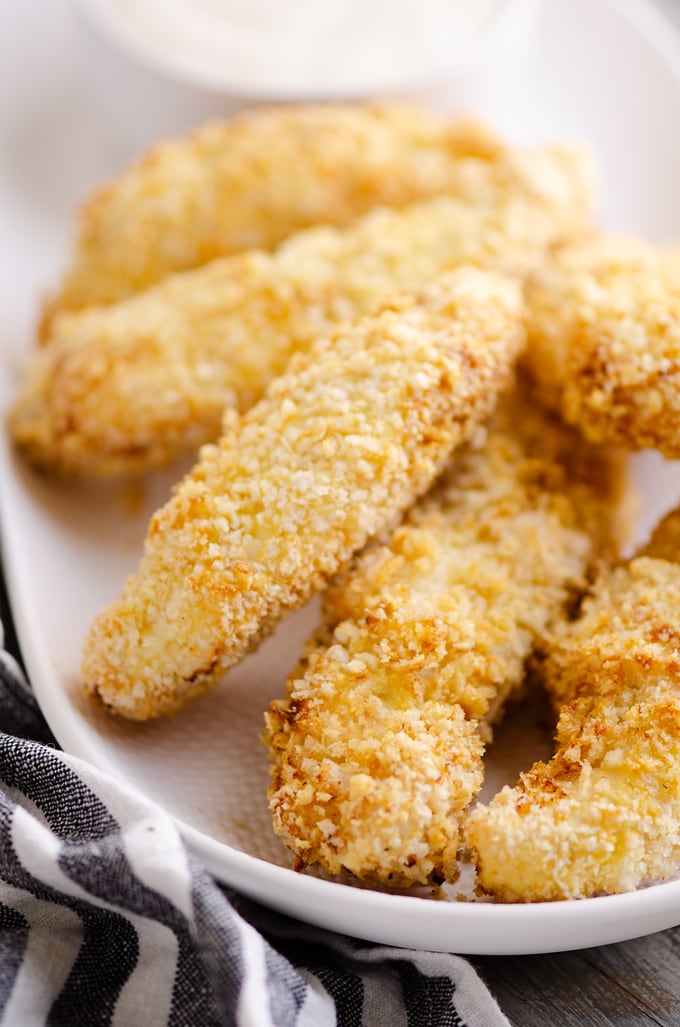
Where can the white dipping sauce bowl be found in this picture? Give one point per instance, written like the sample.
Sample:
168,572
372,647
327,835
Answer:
157,74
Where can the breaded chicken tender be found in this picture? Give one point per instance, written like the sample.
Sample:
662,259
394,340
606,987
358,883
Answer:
254,180
339,447
604,340
118,390
604,814
664,543
377,749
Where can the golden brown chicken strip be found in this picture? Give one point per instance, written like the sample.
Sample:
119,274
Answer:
123,388
377,750
339,447
251,181
604,340
604,814
664,543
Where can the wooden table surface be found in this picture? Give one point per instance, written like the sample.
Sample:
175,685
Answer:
625,985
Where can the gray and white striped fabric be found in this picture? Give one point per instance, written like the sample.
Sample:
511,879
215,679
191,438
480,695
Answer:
106,918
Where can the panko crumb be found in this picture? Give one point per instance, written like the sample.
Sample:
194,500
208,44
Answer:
120,389
604,340
251,181
423,640
603,815
340,446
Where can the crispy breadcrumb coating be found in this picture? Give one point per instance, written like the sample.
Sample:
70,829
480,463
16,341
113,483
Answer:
377,750
664,543
253,180
604,340
340,446
603,815
123,388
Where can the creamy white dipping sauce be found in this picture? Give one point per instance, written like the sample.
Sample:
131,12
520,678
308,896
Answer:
306,47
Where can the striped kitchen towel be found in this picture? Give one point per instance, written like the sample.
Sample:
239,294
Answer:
106,918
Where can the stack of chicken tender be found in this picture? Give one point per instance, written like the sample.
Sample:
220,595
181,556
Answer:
410,368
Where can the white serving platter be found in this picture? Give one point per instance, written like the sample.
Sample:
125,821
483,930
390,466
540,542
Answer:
604,70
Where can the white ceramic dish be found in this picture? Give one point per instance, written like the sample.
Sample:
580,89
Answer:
259,49
606,70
